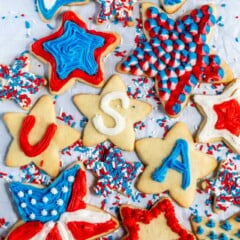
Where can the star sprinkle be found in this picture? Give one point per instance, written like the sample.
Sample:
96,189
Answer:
18,84
38,138
225,187
120,10
160,221
59,211
75,53
49,8
206,228
222,116
112,171
173,164
177,55
171,6
111,115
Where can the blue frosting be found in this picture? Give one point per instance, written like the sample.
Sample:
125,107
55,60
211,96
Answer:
172,2
200,230
211,223
180,148
226,226
212,235
238,234
49,13
74,50
47,204
197,219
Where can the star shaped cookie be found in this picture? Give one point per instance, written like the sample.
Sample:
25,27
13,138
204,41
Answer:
160,222
37,137
18,84
225,186
208,229
171,6
111,115
75,53
177,55
173,164
118,10
221,117
49,8
59,211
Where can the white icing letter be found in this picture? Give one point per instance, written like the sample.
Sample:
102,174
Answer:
105,106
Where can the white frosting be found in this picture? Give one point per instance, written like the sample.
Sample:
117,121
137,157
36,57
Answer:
209,131
120,121
82,215
48,4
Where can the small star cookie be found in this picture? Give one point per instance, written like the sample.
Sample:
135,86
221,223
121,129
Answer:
225,186
160,222
59,211
49,8
75,53
171,6
111,115
207,229
177,55
173,164
221,117
37,137
18,84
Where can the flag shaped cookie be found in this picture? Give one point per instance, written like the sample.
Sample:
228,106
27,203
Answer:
177,55
75,53
59,211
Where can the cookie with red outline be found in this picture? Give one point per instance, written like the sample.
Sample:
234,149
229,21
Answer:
160,222
75,53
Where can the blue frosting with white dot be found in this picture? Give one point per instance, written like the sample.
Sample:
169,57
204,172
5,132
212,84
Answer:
172,2
44,204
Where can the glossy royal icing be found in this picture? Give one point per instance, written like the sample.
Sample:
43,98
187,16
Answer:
74,52
176,54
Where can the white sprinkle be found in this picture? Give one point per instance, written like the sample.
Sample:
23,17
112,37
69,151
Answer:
53,212
45,199
23,205
64,189
33,201
29,192
59,202
44,212
32,216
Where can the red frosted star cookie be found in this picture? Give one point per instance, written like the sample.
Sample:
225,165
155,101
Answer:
177,55
160,222
222,116
75,53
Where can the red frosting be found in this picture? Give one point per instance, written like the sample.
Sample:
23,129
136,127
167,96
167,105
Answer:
26,231
55,82
54,234
228,116
132,216
42,145
84,230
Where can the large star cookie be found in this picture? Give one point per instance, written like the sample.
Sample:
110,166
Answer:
37,137
159,222
225,186
177,55
59,211
207,229
221,117
173,164
171,6
49,8
111,115
18,84
75,53
120,10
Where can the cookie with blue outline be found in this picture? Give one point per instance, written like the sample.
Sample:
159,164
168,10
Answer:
75,53
171,6
48,9
173,164
206,228
59,211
